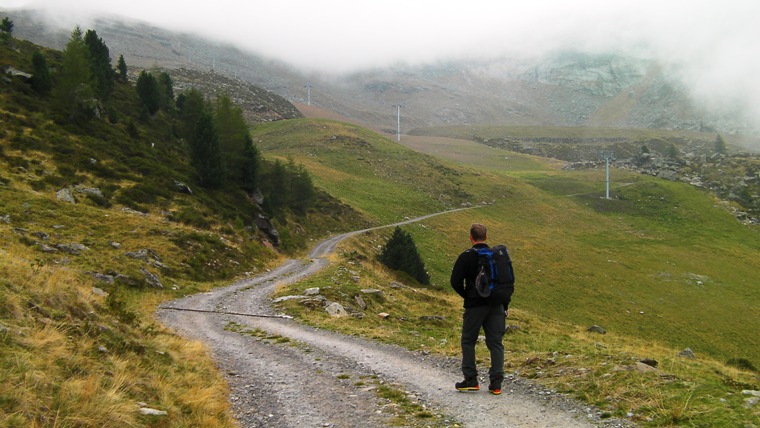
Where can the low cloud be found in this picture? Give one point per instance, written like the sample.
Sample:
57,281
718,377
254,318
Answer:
712,45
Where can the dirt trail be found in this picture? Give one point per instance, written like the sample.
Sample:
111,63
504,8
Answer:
317,382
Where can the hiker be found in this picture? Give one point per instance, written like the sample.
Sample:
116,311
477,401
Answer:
488,313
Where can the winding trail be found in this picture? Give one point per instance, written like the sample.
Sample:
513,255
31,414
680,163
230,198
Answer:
322,381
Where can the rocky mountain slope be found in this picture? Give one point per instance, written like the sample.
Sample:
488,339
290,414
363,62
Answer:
564,89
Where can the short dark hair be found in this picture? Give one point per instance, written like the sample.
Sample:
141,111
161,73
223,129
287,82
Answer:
478,232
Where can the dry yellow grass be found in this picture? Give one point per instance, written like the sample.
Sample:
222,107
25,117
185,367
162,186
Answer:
59,368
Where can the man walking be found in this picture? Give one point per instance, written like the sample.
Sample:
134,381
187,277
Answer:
479,312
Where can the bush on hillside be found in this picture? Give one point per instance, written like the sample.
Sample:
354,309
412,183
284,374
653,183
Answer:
400,253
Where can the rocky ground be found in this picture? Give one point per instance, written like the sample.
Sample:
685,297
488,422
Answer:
284,374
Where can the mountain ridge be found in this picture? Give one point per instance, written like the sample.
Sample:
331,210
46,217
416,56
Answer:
560,89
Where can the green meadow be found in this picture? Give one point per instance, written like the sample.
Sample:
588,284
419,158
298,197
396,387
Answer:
661,266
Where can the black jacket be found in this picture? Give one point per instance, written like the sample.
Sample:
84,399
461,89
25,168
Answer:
463,279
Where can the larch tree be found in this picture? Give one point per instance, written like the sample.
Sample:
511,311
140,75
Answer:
73,91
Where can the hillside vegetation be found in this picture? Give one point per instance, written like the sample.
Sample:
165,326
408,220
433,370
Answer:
103,215
660,266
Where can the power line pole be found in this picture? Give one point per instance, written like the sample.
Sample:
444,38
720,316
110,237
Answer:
607,156
308,94
398,122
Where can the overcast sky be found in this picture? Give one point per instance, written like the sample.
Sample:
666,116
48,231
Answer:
714,43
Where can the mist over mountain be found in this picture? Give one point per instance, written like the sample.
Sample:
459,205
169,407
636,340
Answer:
562,88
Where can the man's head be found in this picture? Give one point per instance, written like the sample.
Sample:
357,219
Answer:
478,233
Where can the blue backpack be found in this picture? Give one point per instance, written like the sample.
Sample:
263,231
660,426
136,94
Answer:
495,274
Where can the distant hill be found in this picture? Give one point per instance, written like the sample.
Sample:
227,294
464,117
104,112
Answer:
565,89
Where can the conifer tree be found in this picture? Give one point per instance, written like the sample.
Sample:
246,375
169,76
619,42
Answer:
6,26
121,69
100,65
301,192
251,166
205,154
720,145
233,131
166,91
148,91
191,106
277,186
73,91
6,29
41,81
400,253
673,151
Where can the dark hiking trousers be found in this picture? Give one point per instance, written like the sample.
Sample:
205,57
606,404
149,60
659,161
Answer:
491,319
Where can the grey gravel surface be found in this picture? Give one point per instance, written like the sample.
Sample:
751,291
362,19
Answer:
314,380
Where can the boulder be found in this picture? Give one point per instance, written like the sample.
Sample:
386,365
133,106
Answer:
152,412
263,224
335,309
65,195
41,235
88,190
258,197
286,298
46,249
125,280
687,353
74,248
151,279
99,292
360,302
183,188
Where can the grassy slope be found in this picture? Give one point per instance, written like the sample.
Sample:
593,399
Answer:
71,355
661,266
580,260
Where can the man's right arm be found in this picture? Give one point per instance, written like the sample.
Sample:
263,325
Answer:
457,276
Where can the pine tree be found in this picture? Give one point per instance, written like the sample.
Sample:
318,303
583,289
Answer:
251,165
205,154
400,253
121,70
277,187
301,192
6,26
6,29
148,91
191,106
166,91
233,129
720,145
673,151
100,65
41,81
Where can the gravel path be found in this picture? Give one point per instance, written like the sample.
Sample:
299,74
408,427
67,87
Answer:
317,378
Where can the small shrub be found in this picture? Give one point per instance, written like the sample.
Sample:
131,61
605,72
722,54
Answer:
55,180
191,217
400,253
99,200
17,162
742,363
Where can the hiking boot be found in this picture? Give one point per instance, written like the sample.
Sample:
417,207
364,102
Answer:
495,387
470,384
